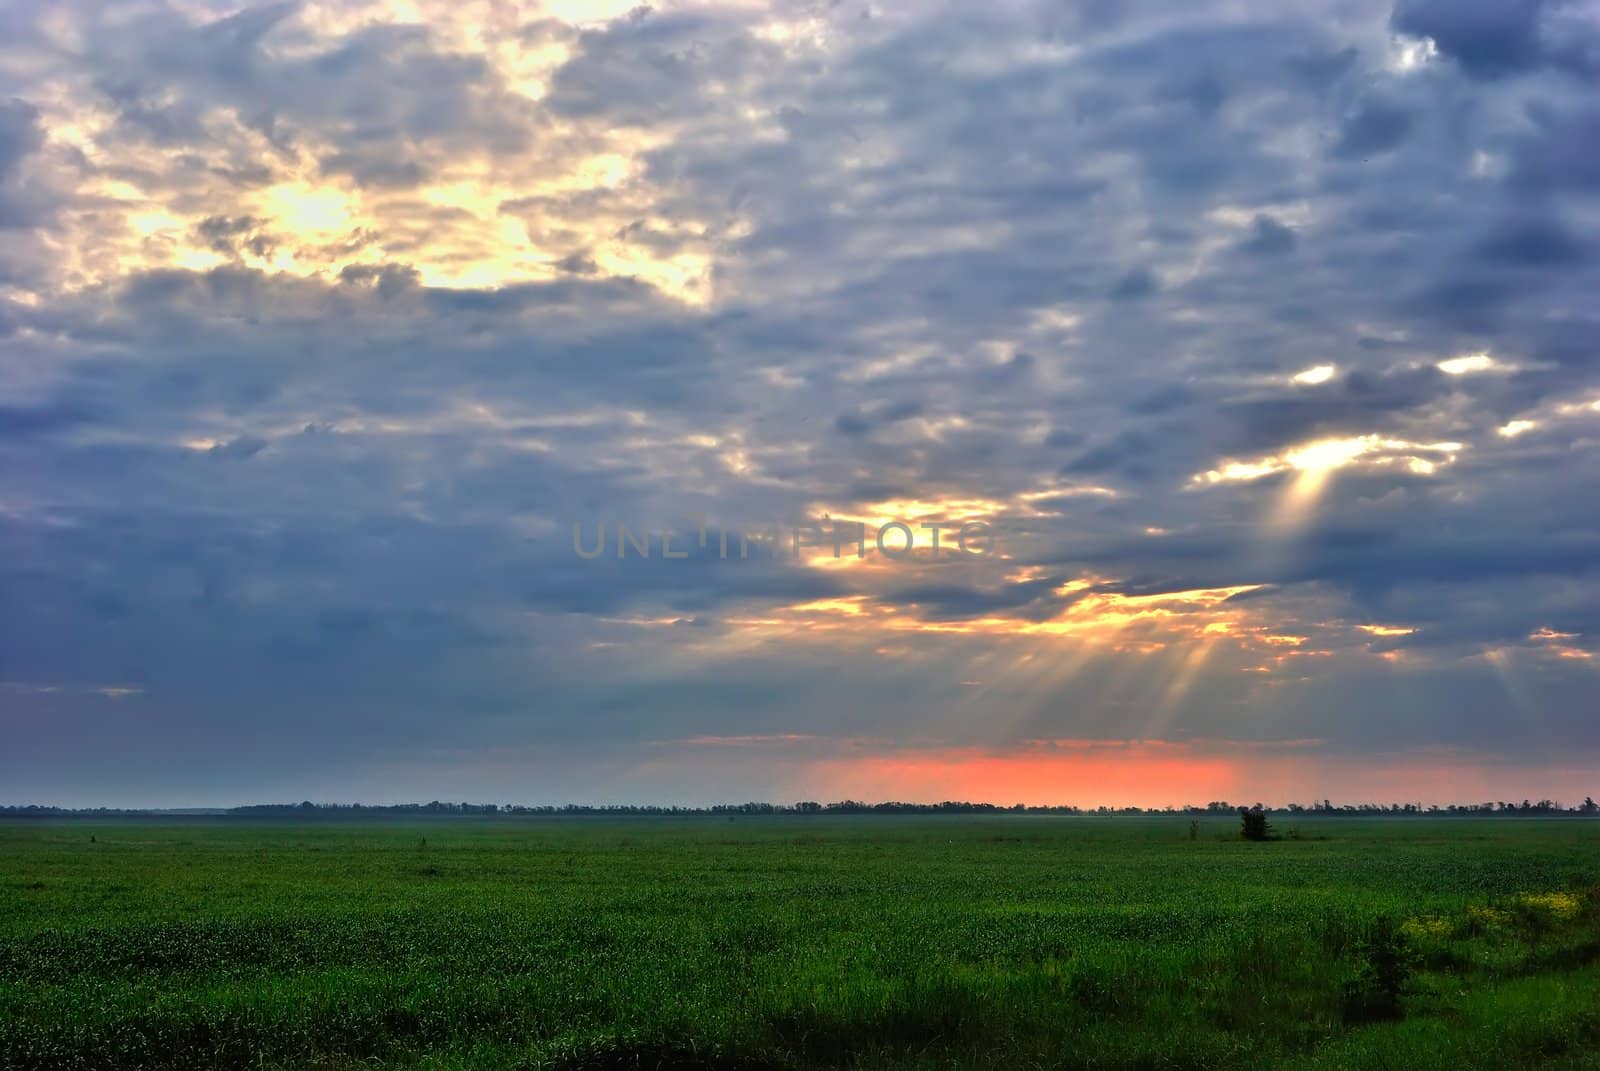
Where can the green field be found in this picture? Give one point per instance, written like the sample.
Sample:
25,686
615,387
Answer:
993,942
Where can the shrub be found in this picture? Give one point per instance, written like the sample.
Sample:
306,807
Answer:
1253,824
1387,964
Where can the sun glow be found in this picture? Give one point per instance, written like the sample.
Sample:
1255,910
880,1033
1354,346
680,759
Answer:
1315,460
1313,376
1330,454
1466,364
1147,622
307,209
573,202
1314,463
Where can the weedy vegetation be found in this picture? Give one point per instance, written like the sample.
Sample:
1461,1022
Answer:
798,943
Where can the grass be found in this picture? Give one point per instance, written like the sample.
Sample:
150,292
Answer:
791,942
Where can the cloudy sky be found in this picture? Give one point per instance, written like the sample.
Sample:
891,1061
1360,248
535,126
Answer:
1260,337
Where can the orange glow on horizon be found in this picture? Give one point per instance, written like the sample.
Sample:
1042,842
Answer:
1157,773
1115,778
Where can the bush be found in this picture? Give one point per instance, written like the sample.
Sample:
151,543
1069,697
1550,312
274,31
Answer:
1253,825
1387,964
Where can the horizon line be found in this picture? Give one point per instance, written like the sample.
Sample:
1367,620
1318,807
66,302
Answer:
465,808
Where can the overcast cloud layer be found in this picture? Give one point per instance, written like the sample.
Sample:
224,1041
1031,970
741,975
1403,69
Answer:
1268,338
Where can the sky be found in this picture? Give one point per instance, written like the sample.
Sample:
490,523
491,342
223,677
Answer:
1263,341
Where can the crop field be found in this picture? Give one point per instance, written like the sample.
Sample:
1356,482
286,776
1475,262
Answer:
793,942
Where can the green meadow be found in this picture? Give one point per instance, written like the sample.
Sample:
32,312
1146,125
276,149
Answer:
799,942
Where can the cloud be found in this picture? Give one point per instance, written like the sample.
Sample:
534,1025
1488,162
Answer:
1377,126
19,135
1534,242
1268,238
1493,40
322,332
1138,283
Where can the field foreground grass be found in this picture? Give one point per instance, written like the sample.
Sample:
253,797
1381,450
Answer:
992,942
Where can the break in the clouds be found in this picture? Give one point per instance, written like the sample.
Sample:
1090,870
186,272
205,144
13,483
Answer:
1268,337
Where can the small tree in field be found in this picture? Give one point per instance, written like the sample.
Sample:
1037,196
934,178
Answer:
1253,824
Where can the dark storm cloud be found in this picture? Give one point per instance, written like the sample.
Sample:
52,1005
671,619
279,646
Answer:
1376,126
18,421
1534,242
1494,39
1488,38
860,422
19,134
20,137
1268,238
1562,153
1138,283
1350,405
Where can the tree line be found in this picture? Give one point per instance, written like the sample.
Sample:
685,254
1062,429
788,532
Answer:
1491,809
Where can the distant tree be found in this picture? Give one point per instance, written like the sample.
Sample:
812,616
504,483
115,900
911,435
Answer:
1253,824
1589,806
